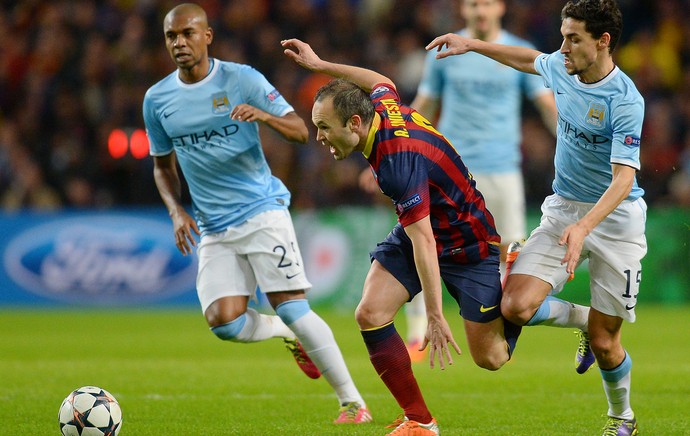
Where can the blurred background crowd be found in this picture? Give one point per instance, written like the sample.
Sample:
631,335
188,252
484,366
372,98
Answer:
73,71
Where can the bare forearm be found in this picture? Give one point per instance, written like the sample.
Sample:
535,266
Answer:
305,56
169,188
618,191
291,127
362,77
426,261
520,58
429,277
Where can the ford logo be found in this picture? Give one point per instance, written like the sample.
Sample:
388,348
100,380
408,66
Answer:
100,259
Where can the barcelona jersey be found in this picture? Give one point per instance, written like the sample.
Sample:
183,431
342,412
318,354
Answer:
424,175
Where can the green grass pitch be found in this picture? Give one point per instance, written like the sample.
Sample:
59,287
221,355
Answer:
173,377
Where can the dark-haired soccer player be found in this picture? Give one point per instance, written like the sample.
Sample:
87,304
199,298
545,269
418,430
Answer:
597,211
478,102
444,231
205,115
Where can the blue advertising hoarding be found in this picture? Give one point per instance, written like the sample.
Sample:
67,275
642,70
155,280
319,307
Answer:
93,258
127,257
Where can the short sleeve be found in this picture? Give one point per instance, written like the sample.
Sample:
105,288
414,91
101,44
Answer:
627,130
159,142
543,65
259,92
404,178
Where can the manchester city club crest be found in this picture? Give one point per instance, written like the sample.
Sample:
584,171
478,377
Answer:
596,114
221,105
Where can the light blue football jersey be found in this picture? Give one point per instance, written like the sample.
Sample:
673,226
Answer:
221,159
481,105
598,124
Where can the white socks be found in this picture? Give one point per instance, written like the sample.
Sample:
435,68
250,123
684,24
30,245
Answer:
560,313
319,343
258,327
617,387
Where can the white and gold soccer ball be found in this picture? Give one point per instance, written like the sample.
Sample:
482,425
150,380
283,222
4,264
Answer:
90,411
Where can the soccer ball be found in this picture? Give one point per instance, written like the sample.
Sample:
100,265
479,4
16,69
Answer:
90,411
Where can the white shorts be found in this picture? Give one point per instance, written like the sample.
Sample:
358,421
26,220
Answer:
614,248
262,251
505,198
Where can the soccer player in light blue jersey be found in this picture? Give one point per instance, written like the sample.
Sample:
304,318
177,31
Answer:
597,211
205,116
479,105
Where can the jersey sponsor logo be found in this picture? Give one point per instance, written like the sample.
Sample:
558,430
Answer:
410,202
167,114
100,259
596,114
632,141
395,117
221,105
203,138
271,96
584,139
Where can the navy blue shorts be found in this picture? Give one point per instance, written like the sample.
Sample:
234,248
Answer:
475,286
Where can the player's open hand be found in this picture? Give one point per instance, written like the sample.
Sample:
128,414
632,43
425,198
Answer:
455,44
184,225
248,113
438,336
573,238
301,53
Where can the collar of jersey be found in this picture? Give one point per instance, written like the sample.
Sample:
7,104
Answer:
604,80
211,72
375,123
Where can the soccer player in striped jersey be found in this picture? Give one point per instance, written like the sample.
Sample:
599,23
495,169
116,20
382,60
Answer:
597,211
206,115
478,102
444,231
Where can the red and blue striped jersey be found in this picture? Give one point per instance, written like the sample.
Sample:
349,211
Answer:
418,168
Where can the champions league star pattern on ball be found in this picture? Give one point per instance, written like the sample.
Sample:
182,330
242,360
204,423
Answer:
90,411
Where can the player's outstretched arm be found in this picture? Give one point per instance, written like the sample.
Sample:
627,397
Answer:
520,58
304,56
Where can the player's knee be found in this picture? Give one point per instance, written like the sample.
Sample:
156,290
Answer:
366,317
230,330
223,311
516,310
603,347
491,361
362,317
